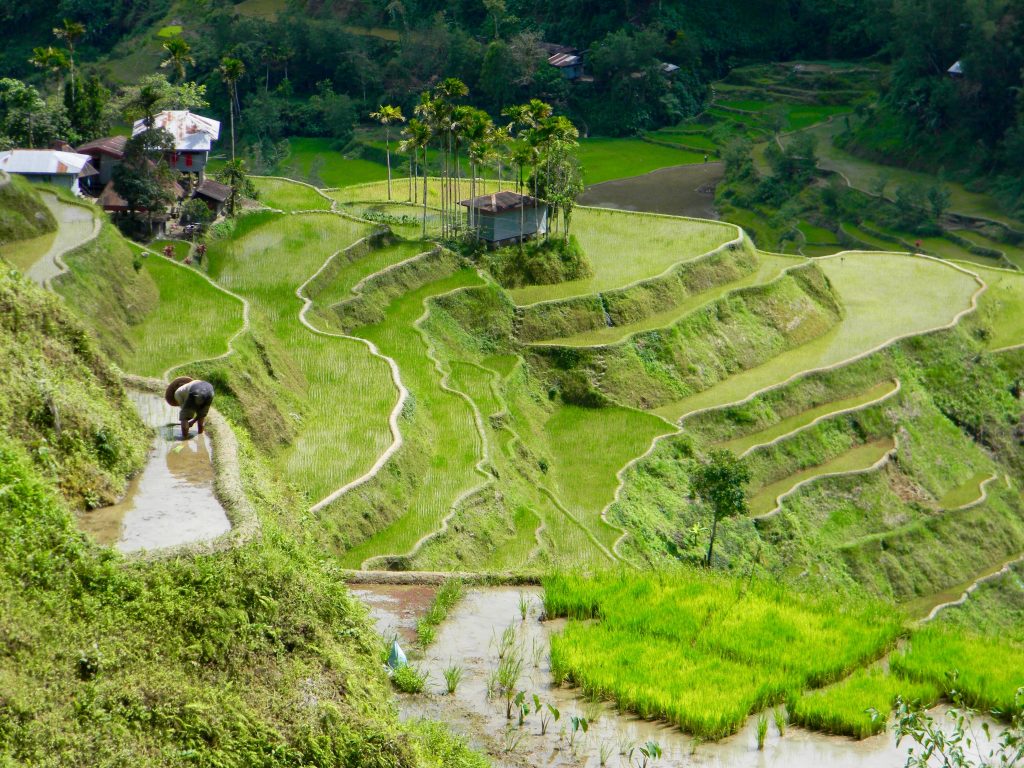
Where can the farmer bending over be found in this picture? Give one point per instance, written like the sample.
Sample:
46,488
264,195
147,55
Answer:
194,398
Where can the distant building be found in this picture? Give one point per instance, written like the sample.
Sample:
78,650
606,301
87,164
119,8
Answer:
567,60
505,217
106,153
48,166
214,194
957,70
668,68
193,138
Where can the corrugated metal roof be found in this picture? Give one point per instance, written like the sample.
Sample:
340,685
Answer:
499,202
110,145
213,190
564,60
192,133
42,161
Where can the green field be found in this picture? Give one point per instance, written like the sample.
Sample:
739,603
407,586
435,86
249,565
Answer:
340,287
1003,306
702,650
193,321
320,163
607,159
22,254
865,281
610,240
288,195
1013,252
966,493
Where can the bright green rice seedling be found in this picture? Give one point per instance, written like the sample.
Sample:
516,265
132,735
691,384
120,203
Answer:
409,679
762,729
845,708
705,651
289,195
446,598
987,671
452,678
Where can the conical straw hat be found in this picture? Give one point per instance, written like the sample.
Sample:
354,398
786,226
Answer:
172,388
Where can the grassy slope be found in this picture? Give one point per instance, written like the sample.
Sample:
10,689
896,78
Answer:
289,195
27,226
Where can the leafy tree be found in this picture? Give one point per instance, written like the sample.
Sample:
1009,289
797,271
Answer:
497,10
51,60
938,200
721,483
179,56
195,211
236,175
495,82
231,71
23,112
142,178
86,105
387,115
154,93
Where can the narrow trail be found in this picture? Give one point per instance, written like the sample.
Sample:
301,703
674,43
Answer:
72,233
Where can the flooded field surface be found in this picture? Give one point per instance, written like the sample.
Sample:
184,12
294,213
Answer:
396,608
471,637
171,501
682,190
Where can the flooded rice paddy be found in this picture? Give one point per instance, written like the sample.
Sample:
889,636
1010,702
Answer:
471,637
171,501
681,190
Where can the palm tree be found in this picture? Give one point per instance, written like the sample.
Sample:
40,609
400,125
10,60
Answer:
236,175
418,136
386,115
179,55
231,71
69,32
50,59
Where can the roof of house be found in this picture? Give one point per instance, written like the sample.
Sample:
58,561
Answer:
956,69
110,145
110,200
500,202
213,190
48,161
564,60
192,133
668,68
553,48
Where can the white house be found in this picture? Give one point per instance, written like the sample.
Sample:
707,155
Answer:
48,166
193,137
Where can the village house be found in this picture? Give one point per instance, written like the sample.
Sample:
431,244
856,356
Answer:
193,138
106,153
214,194
48,166
506,217
567,60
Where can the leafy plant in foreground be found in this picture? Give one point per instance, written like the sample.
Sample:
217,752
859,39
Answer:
762,729
549,713
721,483
645,754
452,678
408,679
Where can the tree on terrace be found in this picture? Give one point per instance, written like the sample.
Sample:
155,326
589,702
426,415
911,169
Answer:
721,484
387,115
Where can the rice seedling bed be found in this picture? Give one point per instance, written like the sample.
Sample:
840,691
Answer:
289,195
843,708
878,309
340,288
705,650
377,192
694,141
989,670
192,321
607,159
815,251
746,443
765,499
319,162
1003,306
947,249
625,247
869,239
817,235
771,266
22,254
588,446
347,394
965,493
405,219
456,446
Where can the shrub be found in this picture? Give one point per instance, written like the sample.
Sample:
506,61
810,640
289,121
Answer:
409,679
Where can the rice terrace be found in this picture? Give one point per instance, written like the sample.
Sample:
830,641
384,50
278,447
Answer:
625,413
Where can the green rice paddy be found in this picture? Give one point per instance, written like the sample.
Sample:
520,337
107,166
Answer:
607,159
320,163
625,247
22,254
1012,252
1003,306
192,321
340,287
703,650
965,493
858,459
864,281
287,195
795,423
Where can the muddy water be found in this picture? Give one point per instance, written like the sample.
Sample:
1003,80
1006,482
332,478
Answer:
395,609
171,501
470,638
682,190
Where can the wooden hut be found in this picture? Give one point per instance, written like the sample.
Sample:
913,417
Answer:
506,217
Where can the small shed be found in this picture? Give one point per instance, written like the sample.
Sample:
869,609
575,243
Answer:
506,217
957,70
214,194
47,166
566,59
105,153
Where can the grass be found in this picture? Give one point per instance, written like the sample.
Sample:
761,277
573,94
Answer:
1003,306
843,708
1013,252
608,236
765,499
745,443
588,446
989,670
455,443
319,163
817,235
289,196
340,287
703,650
878,308
192,321
22,254
771,266
181,248
607,159
265,9
171,30
346,393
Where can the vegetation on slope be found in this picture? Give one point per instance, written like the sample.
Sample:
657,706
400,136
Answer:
22,214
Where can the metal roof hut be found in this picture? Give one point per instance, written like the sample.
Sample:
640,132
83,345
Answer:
48,166
506,217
